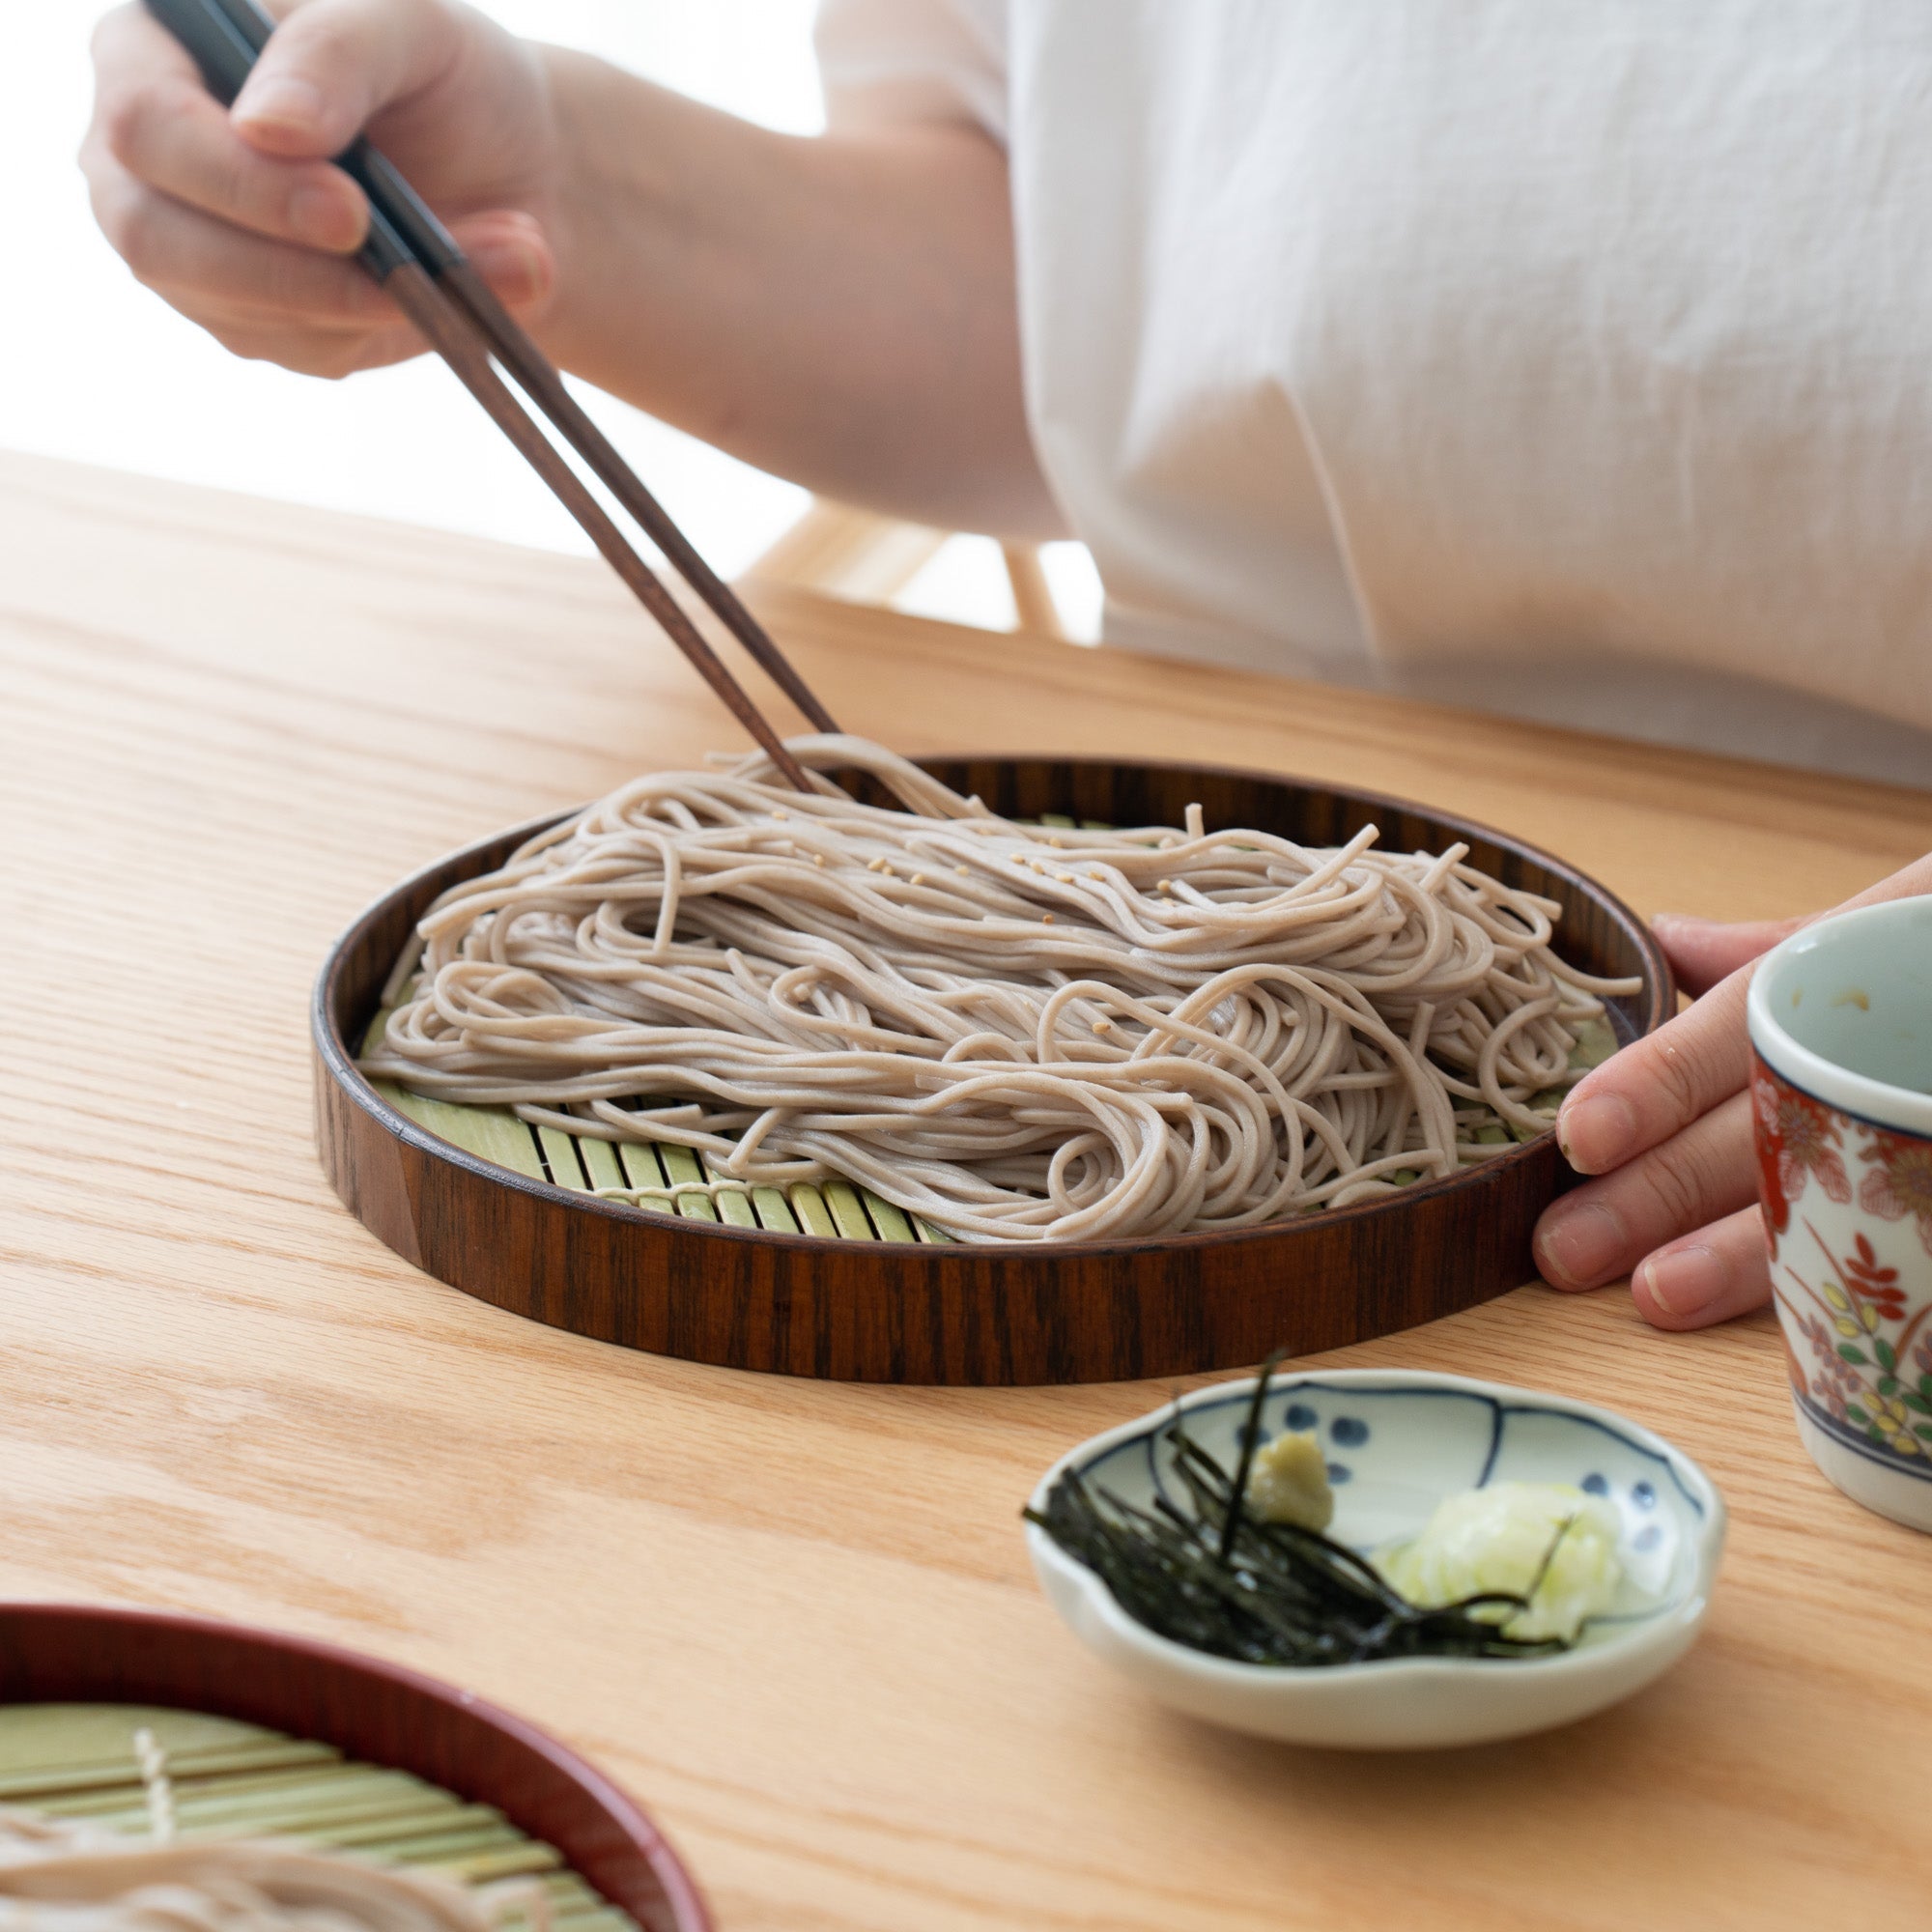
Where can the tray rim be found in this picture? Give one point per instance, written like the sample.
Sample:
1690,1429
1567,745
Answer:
101,1622
1659,998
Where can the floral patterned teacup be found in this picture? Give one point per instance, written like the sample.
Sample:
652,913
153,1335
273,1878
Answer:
1841,1091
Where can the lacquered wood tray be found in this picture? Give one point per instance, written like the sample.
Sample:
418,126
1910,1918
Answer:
906,1309
322,1737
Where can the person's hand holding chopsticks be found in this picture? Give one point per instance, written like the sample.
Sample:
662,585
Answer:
233,216
838,309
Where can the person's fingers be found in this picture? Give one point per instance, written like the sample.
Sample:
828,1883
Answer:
266,279
1719,1272
506,248
1703,952
180,253
1658,1085
333,63
173,135
131,53
327,354
132,47
1602,1231
316,314
510,250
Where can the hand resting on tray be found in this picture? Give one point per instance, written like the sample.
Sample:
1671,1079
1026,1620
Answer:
1666,1129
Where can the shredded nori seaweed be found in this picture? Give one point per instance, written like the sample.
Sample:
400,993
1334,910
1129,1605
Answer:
1215,1577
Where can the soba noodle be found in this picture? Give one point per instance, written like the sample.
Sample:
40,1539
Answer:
60,1876
1016,1032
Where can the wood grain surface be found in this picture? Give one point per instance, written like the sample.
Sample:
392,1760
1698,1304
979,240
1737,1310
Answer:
794,1618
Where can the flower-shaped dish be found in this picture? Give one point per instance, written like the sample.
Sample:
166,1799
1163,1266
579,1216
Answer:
1398,1441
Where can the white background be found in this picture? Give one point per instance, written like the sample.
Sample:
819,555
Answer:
98,369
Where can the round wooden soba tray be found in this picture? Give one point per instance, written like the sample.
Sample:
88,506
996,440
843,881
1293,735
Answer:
380,1713
905,1311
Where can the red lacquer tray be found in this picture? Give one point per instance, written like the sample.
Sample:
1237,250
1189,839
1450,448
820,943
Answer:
979,1312
376,1712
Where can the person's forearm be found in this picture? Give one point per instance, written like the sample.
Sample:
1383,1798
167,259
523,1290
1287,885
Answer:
839,311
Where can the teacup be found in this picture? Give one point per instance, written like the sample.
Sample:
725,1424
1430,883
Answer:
1841,1092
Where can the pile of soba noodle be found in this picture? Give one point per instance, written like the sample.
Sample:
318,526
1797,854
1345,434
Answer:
1019,1032
58,1876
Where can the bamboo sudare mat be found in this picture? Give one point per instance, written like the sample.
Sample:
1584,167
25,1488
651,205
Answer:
233,1779
640,1170
836,1209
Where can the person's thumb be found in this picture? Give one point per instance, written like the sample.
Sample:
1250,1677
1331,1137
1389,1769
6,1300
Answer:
331,65
1702,952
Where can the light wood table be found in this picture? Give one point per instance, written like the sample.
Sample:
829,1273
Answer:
795,1619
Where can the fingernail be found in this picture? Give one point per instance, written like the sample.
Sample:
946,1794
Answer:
1684,1281
1597,1132
1580,1244
515,270
324,218
282,100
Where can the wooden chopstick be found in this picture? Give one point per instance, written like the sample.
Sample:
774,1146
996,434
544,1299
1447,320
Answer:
225,37
435,248
449,334
539,379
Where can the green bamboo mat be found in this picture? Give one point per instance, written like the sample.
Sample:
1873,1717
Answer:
233,1779
583,1164
836,1209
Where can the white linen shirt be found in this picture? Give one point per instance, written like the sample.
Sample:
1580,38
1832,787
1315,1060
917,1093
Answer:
1566,360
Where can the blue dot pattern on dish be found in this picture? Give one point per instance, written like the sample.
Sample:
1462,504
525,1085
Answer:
1299,1416
1643,1495
1349,1431
1596,1484
1647,1537
1260,1435
1339,1472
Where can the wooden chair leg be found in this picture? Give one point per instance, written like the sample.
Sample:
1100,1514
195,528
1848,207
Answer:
1033,595
847,553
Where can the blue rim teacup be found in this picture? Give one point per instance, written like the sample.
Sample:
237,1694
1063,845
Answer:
1841,1107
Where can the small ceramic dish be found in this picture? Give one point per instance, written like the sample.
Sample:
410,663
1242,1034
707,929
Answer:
1398,1441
